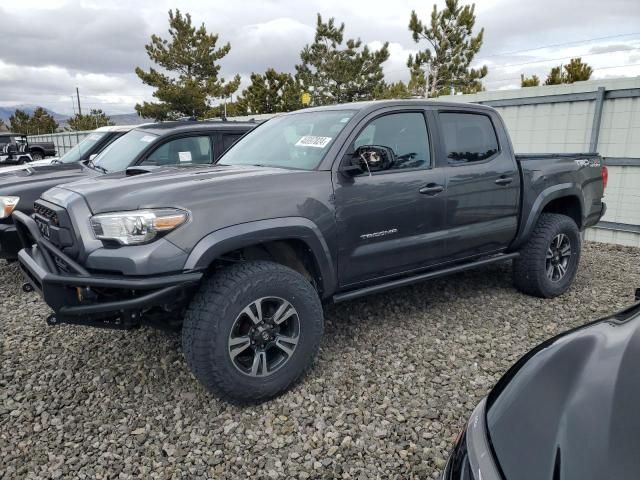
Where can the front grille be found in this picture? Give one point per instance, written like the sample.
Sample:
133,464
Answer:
55,225
47,213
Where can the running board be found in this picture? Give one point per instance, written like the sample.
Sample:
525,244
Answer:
404,281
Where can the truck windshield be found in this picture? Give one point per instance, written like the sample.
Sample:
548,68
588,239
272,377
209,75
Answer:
119,155
297,140
78,152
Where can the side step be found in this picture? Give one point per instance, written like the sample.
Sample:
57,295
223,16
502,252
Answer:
404,281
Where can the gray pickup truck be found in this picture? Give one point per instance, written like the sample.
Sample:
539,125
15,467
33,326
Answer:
321,205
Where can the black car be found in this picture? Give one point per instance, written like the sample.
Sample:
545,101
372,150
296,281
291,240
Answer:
567,410
169,143
37,150
324,204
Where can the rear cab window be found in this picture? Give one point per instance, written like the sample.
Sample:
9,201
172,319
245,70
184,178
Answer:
468,137
192,150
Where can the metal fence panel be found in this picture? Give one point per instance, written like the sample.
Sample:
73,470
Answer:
600,115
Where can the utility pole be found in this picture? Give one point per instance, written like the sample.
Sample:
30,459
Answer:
78,95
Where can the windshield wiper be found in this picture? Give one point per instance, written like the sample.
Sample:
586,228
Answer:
90,164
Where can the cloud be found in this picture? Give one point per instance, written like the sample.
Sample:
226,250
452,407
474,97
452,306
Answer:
56,45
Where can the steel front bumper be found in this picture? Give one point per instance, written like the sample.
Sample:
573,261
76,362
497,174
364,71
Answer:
9,241
79,296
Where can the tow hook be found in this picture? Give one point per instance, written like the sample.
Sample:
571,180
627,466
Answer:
27,287
52,319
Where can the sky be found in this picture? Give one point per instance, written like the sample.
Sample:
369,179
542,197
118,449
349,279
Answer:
50,47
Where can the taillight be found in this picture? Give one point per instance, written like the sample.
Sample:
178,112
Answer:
605,176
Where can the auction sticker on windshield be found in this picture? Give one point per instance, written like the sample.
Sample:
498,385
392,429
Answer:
313,141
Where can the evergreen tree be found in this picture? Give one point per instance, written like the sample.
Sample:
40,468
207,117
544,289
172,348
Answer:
446,61
333,73
42,122
20,122
272,92
394,91
532,81
191,81
575,71
555,76
95,119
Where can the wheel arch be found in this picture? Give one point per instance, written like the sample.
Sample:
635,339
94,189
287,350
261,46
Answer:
290,241
564,198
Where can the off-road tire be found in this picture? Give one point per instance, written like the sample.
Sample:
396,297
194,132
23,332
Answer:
36,156
530,269
215,307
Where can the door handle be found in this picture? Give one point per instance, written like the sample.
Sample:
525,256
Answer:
431,189
504,180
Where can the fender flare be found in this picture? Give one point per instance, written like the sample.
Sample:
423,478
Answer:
543,199
242,235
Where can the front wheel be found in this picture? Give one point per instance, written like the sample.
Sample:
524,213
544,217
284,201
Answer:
252,330
549,261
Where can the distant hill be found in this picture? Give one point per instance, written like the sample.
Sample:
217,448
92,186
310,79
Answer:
119,119
6,112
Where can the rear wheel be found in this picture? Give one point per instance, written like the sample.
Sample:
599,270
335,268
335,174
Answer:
37,155
252,330
549,260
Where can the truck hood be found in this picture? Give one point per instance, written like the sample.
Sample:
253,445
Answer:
568,409
46,174
172,186
33,163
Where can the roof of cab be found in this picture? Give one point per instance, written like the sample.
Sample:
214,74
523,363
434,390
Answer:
192,125
377,104
118,128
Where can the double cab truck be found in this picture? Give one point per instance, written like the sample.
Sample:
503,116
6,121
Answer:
111,149
322,205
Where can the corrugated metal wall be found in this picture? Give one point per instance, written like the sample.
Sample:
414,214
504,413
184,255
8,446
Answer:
64,141
560,118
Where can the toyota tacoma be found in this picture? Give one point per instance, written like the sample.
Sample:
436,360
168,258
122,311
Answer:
321,205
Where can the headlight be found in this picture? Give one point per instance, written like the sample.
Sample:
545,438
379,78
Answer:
7,204
138,226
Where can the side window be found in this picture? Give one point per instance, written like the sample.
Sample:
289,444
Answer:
229,139
404,133
182,151
468,137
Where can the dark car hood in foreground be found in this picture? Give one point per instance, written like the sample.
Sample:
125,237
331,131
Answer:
30,175
568,410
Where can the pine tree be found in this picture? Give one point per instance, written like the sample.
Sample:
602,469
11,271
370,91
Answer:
333,73
271,92
191,81
95,119
20,122
532,81
42,122
555,76
575,71
446,61
395,90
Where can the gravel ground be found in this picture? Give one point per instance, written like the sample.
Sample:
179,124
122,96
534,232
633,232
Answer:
397,376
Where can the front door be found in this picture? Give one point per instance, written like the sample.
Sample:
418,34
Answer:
390,221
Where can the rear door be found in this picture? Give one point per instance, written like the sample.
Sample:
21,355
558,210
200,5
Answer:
391,221
483,183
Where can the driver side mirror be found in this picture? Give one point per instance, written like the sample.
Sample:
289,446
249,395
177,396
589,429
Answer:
369,159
